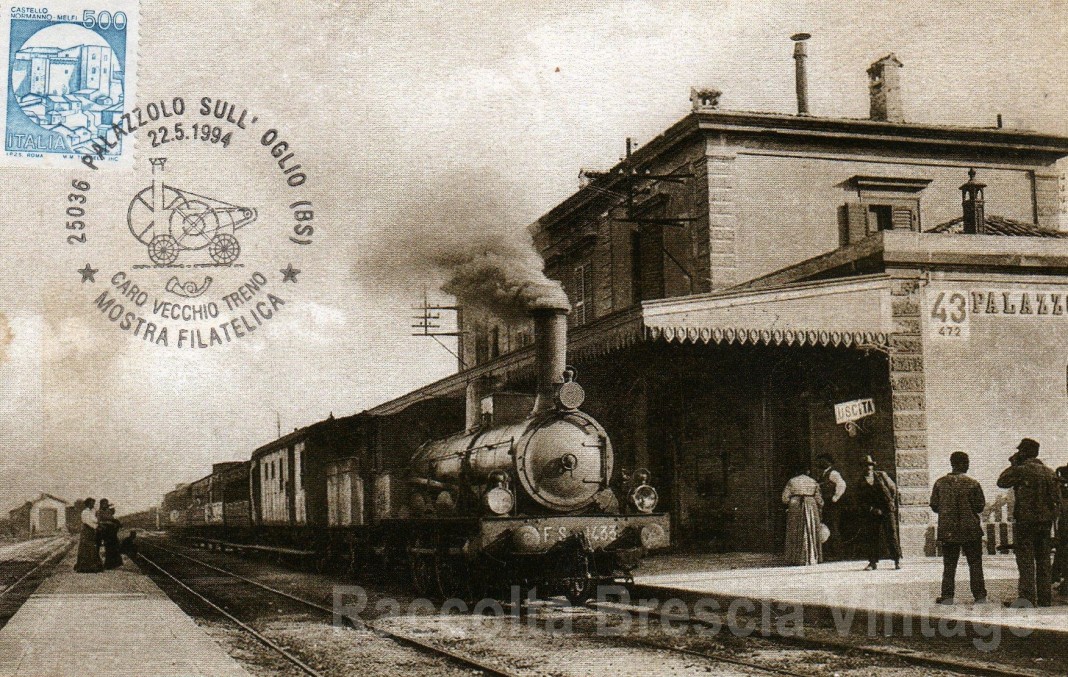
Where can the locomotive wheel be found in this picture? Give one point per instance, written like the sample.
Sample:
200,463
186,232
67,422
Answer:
459,578
163,250
224,248
579,583
424,569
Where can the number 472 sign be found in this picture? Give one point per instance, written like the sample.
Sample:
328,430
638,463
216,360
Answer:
948,316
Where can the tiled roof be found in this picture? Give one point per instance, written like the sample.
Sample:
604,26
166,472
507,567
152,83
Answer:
999,225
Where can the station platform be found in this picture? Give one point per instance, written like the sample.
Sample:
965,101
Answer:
845,595
116,622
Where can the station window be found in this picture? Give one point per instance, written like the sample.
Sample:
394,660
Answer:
582,294
879,203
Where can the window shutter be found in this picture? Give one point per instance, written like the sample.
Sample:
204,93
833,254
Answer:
582,295
857,220
903,218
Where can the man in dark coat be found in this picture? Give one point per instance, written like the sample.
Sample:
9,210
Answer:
1037,495
958,500
877,500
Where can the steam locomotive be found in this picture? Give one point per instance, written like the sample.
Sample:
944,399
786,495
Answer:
527,497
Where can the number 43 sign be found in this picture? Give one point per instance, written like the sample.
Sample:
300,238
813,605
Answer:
948,316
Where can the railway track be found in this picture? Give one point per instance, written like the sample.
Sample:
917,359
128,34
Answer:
465,662
11,602
917,658
473,664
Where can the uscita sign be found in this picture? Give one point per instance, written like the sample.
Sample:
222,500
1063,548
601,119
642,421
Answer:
853,410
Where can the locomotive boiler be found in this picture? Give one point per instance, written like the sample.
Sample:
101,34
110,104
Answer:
534,497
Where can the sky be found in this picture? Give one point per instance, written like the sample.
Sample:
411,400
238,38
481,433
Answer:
399,109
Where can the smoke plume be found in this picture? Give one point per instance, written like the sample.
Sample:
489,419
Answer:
466,238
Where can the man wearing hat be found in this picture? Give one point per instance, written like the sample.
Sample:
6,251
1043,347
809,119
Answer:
1037,495
877,500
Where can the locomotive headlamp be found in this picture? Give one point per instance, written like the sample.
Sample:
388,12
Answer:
644,498
499,500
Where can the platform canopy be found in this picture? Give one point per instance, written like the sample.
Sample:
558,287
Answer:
853,311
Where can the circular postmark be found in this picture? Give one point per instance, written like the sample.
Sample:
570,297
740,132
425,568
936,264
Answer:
205,245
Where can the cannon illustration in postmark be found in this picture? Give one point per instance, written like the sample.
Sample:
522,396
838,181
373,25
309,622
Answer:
171,220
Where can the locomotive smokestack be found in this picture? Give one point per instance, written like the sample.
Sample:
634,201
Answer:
550,346
801,75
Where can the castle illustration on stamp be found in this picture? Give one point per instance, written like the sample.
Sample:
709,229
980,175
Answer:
69,78
169,220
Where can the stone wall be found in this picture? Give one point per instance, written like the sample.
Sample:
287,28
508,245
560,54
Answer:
910,416
718,175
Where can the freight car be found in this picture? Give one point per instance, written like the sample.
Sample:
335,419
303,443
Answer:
527,498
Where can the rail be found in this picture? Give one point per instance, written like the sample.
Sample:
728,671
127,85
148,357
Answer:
411,642
304,667
61,549
918,658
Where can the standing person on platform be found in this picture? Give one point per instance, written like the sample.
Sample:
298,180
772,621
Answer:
1060,561
958,500
1037,495
877,499
108,529
88,553
832,487
804,502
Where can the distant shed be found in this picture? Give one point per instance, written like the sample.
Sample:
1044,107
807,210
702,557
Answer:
46,514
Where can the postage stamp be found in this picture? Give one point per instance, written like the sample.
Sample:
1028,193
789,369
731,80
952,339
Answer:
71,72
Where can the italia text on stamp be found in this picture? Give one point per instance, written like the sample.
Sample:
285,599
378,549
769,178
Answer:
71,73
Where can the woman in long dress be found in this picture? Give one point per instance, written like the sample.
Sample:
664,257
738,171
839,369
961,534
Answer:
804,504
109,534
88,553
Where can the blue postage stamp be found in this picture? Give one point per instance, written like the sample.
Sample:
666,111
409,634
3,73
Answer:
71,75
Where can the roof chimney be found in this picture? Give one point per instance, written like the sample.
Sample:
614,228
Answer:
972,201
801,76
884,86
704,98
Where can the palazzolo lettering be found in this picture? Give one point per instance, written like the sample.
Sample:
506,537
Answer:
1022,303
128,123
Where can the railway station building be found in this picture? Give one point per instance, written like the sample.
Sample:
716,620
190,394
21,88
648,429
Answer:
751,290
